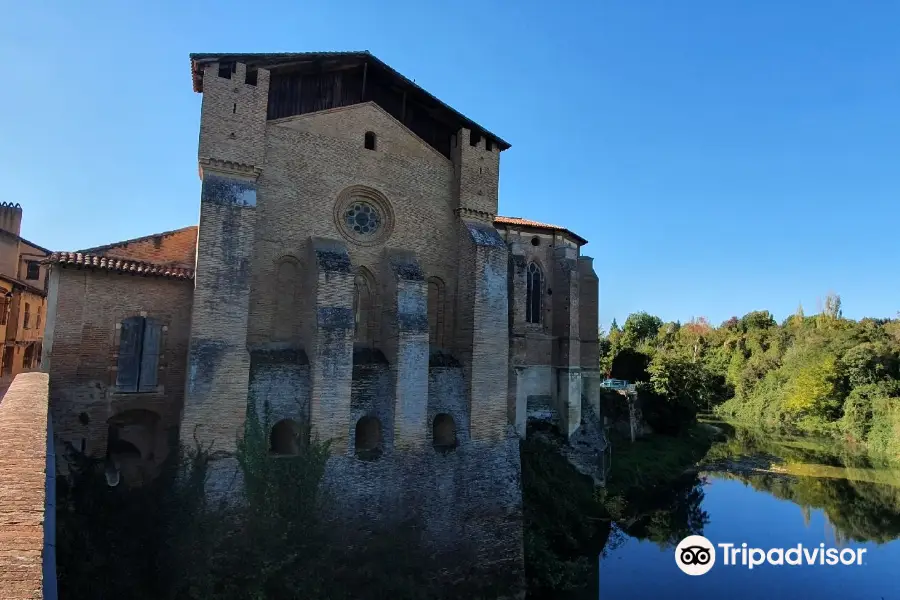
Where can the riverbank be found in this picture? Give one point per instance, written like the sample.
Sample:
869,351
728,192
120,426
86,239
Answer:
565,526
569,521
654,461
769,492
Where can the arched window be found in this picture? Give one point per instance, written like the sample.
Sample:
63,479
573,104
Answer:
444,432
367,440
363,312
138,361
533,294
436,312
370,140
287,438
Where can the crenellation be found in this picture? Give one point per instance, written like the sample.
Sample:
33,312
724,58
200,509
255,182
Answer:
348,281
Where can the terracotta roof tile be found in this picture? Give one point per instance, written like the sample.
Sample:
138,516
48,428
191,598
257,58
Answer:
107,263
498,220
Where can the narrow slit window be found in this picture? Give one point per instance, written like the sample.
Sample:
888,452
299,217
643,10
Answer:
534,288
370,140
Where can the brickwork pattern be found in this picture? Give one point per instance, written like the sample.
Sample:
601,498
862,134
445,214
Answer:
82,352
477,170
279,386
177,247
407,350
485,306
23,471
310,160
219,363
588,313
233,117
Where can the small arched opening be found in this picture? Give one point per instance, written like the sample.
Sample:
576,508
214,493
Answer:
444,433
287,438
367,440
123,461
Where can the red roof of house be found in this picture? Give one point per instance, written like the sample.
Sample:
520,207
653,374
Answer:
108,263
516,221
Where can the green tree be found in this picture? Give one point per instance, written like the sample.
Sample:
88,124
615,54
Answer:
814,391
758,319
641,327
868,363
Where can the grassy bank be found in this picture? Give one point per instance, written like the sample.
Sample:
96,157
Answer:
653,492
566,527
655,461
568,521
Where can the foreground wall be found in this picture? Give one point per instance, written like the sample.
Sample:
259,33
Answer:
83,353
27,518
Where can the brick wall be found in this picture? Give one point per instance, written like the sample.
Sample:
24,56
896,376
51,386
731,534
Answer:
305,267
81,352
589,306
310,160
177,247
23,491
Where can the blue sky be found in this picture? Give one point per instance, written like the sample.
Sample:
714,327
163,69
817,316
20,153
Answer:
720,156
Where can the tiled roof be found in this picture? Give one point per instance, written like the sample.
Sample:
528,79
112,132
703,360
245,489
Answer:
106,263
516,221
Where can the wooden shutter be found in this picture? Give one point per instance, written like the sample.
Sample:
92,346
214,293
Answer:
150,355
129,364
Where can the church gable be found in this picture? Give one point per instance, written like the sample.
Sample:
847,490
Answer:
367,125
309,82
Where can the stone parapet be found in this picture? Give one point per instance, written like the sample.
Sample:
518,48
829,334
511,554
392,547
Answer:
27,524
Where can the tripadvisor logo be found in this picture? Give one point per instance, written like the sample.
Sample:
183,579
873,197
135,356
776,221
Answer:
696,555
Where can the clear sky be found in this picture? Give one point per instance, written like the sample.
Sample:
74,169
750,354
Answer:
721,156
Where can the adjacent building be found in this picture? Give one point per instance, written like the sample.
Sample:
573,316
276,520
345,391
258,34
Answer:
349,278
23,296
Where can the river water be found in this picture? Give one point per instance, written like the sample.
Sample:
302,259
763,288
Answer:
768,492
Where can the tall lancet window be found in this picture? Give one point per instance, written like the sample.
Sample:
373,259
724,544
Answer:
362,308
533,295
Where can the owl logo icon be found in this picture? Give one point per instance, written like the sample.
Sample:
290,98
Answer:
695,555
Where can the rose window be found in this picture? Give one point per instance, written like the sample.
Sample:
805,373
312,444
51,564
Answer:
362,218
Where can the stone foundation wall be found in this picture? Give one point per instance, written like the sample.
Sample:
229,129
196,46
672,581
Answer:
468,498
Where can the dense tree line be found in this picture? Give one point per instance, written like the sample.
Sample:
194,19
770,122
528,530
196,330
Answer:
822,374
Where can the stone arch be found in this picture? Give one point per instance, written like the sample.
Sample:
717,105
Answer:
135,446
436,310
367,441
288,438
364,307
443,431
285,317
534,292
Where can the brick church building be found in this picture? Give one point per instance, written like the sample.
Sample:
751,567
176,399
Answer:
349,277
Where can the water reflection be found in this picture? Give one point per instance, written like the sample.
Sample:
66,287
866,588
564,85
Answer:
769,492
859,497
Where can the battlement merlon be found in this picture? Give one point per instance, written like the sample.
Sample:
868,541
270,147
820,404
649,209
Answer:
233,115
476,162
